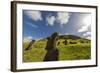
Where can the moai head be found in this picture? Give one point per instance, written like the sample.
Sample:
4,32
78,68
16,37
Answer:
30,45
32,42
51,43
65,42
55,36
58,43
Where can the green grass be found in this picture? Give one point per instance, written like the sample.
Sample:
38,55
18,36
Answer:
36,54
79,51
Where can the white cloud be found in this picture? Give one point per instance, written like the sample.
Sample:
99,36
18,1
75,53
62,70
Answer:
50,20
87,34
86,27
88,37
64,33
32,25
83,28
35,15
28,39
86,24
63,17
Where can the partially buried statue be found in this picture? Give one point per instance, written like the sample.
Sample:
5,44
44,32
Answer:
65,42
30,45
52,51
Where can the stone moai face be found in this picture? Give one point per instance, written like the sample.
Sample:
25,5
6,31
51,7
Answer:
58,43
52,40
65,42
30,45
55,37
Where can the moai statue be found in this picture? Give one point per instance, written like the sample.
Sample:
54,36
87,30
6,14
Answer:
30,45
58,43
73,42
52,52
65,42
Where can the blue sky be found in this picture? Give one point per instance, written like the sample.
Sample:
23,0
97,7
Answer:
41,24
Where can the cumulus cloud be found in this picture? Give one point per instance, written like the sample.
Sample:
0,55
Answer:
63,17
50,20
87,34
85,28
28,39
34,15
88,37
86,24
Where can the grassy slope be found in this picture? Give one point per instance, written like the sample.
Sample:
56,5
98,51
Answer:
74,51
77,51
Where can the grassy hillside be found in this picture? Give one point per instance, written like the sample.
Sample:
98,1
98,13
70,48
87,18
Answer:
79,50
